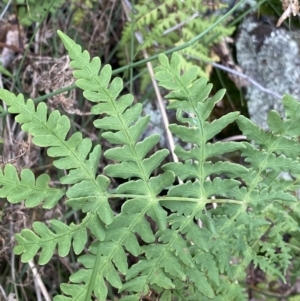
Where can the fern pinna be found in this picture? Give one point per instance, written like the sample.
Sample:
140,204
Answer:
196,251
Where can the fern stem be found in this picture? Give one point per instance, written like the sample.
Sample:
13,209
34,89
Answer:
176,199
293,247
93,278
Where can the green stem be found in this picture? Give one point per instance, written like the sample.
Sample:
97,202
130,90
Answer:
177,199
93,278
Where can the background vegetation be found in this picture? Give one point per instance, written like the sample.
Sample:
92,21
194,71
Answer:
126,35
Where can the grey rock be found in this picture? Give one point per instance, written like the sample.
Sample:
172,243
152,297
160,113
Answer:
270,56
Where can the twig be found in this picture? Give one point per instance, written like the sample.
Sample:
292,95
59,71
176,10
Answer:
158,95
161,105
161,108
247,78
177,26
5,9
3,293
235,138
38,283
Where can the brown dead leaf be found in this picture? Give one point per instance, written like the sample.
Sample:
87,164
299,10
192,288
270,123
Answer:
222,51
290,7
11,40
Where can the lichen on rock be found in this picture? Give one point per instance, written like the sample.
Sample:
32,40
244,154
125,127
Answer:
271,57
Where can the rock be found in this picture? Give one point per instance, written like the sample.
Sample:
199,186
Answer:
271,57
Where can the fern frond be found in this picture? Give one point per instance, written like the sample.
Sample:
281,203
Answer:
191,98
217,212
30,243
122,127
33,191
93,279
268,193
185,88
74,154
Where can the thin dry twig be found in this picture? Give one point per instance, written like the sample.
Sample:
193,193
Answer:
247,78
161,108
38,283
160,102
3,294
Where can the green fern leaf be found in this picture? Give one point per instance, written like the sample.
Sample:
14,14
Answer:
291,107
93,279
169,261
27,188
200,282
143,270
179,245
122,127
284,145
71,154
29,243
217,212
207,264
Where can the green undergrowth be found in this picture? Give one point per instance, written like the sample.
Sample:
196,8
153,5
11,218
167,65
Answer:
185,248
30,11
156,26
